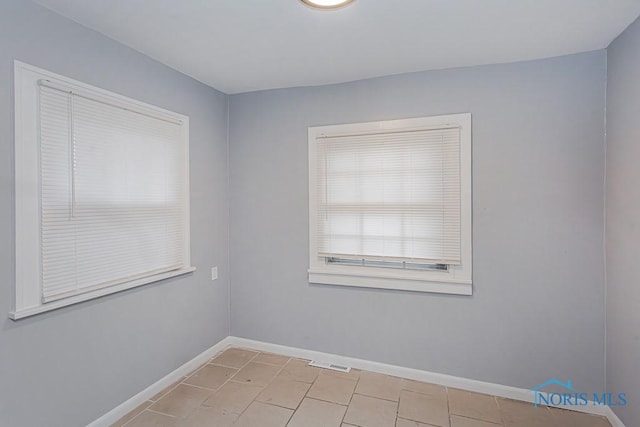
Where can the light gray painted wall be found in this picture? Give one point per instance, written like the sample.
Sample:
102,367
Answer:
538,168
68,367
623,221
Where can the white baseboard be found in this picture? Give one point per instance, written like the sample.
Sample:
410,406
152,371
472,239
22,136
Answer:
613,418
129,405
413,374
382,368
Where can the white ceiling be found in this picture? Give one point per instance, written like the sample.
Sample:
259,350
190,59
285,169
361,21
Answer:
246,45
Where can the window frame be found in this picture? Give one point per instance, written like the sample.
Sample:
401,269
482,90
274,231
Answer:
456,280
27,288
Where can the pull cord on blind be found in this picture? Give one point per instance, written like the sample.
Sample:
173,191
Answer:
113,193
392,196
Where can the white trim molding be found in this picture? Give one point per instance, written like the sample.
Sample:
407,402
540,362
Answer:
493,389
613,418
31,311
29,296
457,278
129,405
382,368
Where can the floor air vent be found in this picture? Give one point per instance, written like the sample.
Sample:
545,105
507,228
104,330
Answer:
329,366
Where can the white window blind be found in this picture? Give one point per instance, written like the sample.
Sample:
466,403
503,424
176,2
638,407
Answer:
113,184
390,195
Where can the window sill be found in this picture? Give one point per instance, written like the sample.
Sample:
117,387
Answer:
32,311
459,287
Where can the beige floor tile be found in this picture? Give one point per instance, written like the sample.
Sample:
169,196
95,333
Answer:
299,370
180,401
122,421
209,417
263,415
523,414
525,422
166,390
316,413
271,359
234,357
233,397
259,374
153,419
458,421
353,374
567,418
368,411
424,408
473,405
332,389
424,388
380,386
283,392
401,422
211,376
327,398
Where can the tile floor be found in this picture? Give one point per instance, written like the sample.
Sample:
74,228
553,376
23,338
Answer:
246,388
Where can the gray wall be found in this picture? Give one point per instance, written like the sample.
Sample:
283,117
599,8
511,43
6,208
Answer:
538,170
537,309
623,221
68,367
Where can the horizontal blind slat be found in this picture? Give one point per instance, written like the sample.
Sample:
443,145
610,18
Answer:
113,194
390,196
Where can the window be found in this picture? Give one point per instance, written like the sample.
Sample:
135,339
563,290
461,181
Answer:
101,192
390,204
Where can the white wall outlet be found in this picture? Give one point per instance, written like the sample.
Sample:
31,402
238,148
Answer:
214,273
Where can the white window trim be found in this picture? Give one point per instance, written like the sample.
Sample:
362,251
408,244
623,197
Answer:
27,292
457,280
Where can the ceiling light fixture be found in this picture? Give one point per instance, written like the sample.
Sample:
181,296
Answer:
326,4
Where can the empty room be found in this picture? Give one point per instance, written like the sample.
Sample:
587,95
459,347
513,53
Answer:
319,213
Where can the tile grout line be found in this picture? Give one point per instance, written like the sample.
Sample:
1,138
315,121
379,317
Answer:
478,419
240,382
267,385
168,389
200,387
354,393
276,376
282,368
305,394
147,410
182,382
161,413
230,378
134,417
502,422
